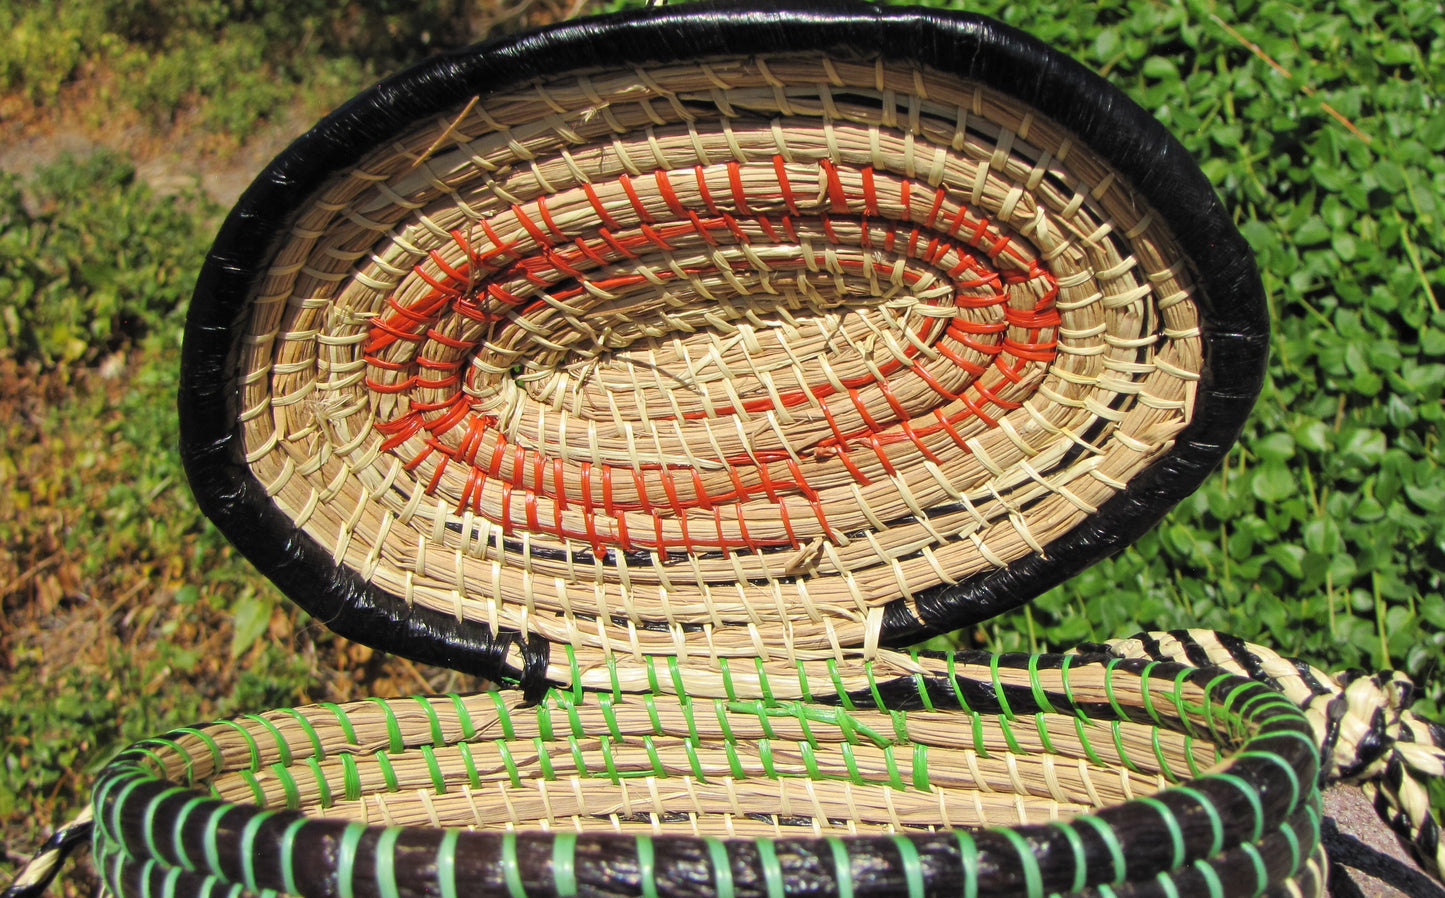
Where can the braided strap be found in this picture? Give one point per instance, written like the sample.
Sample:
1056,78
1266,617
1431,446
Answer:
37,873
978,775
1367,733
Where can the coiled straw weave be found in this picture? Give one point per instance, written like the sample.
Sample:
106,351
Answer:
778,356
981,775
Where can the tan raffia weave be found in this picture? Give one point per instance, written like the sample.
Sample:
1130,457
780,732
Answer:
704,767
713,359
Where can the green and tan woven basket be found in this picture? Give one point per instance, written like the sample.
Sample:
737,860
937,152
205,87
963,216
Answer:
676,371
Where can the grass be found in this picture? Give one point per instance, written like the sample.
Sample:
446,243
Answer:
1322,535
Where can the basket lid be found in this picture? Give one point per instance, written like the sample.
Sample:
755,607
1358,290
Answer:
713,336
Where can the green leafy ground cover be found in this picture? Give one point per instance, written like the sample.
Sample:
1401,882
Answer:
125,614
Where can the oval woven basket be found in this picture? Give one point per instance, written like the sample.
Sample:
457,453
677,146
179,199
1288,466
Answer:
680,367
981,775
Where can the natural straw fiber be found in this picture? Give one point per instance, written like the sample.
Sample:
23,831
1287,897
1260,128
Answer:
981,775
758,349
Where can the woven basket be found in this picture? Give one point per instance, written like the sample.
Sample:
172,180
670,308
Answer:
680,368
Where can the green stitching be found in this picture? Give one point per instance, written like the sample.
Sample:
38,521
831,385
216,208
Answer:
612,672
609,716
511,871
803,689
255,749
978,743
646,872
1206,870
1041,697
1194,771
1164,766
678,686
894,778
1041,723
810,761
1114,729
258,794
385,861
606,746
464,717
998,692
1109,689
1294,847
212,849
577,759
576,672
504,716
116,833
178,831
727,675
446,864
720,709
734,763
437,736
1250,795
772,870
172,875
350,777
1145,694
1111,841
842,866
968,862
438,782
210,743
511,764
283,748
248,848
148,819
900,726
920,768
1171,823
1033,877
852,764
346,857
873,685
843,698
1081,859
466,751
722,871
396,744
690,747
286,847
1294,783
288,785
564,857
1216,823
1166,885
650,703
912,866
343,720
574,721
1261,873
658,769
388,773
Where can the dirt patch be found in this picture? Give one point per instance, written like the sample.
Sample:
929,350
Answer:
181,156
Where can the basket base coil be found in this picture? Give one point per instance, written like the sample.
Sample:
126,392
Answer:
982,775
